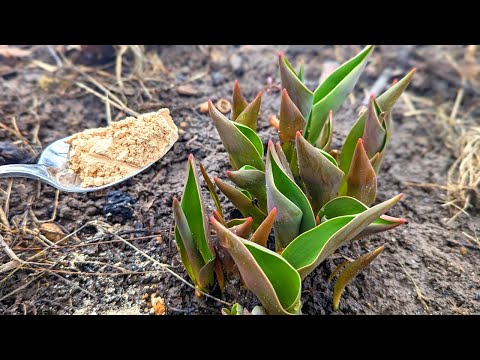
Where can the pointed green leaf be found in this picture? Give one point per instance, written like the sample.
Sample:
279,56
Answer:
350,272
291,121
191,257
301,71
345,205
329,96
361,178
283,161
385,102
294,213
191,231
212,191
325,138
374,135
238,101
311,248
249,116
253,181
260,236
298,92
272,279
319,174
241,143
241,202
194,209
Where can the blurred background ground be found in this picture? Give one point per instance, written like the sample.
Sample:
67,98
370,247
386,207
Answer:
430,266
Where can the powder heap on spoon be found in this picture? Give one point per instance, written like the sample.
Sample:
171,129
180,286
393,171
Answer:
104,155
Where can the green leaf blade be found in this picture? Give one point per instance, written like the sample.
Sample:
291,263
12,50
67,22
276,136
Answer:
272,279
309,249
330,95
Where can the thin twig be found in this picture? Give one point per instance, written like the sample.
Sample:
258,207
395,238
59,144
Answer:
104,98
417,290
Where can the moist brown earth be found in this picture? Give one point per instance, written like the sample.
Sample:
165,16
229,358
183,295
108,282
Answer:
422,256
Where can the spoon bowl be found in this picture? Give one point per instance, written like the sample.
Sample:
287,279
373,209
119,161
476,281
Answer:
52,168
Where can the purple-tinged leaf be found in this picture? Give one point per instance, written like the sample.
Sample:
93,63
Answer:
260,236
361,178
241,202
374,135
249,116
272,279
238,101
284,161
320,176
242,144
301,96
385,102
291,121
244,229
253,181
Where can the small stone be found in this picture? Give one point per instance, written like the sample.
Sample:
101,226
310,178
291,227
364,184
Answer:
236,62
463,251
187,90
216,78
183,124
274,122
203,107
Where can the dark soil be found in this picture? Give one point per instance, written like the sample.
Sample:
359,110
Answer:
423,253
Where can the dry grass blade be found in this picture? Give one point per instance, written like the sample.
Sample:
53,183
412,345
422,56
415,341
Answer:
464,174
417,290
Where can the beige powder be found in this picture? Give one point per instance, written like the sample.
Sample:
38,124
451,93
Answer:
104,155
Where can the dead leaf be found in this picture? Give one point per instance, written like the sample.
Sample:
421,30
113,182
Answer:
187,90
52,231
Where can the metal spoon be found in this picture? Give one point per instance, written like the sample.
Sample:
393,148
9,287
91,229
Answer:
50,168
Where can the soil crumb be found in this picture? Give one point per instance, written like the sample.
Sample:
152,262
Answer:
104,155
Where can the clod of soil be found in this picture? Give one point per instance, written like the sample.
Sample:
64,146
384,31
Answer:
118,207
105,155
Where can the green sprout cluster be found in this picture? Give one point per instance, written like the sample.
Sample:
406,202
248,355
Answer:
315,198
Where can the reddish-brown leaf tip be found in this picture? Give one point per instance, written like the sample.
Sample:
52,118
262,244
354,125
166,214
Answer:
298,134
284,93
228,172
212,219
270,143
280,54
274,210
414,70
360,142
215,178
190,157
235,83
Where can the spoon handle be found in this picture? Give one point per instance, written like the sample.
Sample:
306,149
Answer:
31,171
